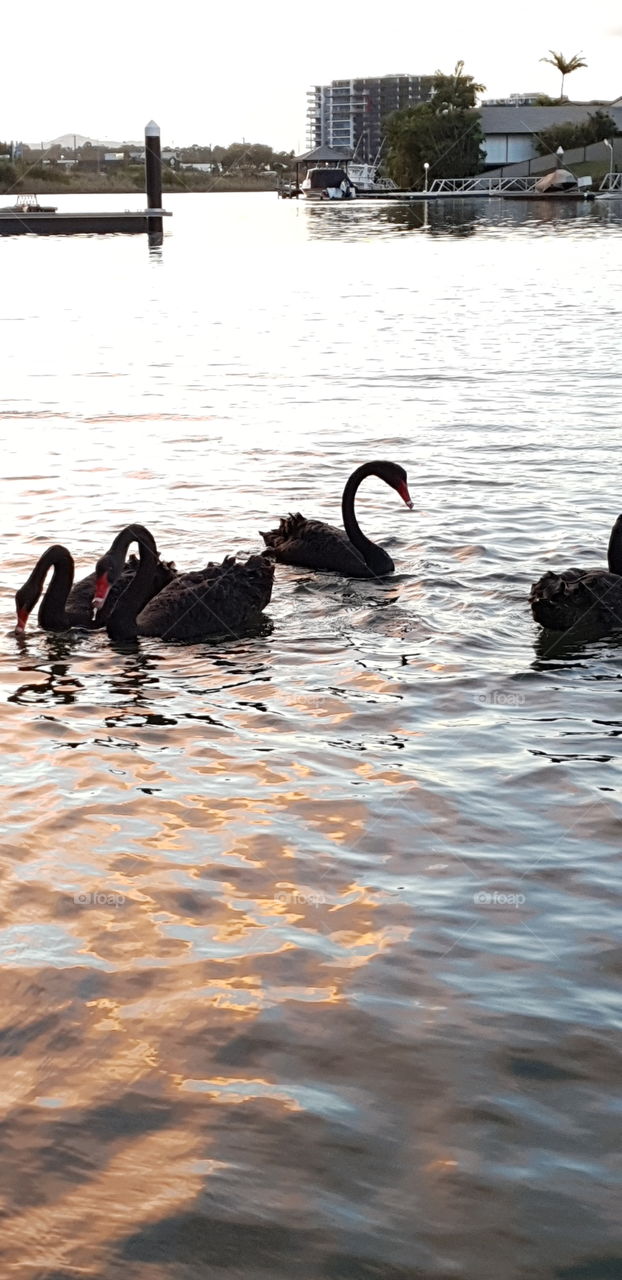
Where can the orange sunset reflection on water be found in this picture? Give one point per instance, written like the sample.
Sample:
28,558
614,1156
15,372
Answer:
308,936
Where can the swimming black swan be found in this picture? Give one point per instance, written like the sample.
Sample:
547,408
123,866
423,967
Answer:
64,606
316,545
593,597
219,598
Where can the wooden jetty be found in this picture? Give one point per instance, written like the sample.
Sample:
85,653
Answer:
27,217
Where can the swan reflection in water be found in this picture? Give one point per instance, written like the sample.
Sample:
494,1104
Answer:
577,647
58,684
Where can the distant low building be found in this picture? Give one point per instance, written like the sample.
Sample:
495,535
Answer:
352,113
510,133
514,100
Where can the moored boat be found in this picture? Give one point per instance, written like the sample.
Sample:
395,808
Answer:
365,178
559,184
327,184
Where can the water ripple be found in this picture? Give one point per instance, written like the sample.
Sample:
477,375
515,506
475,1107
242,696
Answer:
310,939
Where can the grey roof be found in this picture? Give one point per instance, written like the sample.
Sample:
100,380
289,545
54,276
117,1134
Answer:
534,119
323,154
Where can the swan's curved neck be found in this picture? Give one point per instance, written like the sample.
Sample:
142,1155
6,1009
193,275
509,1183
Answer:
51,616
121,624
614,553
375,557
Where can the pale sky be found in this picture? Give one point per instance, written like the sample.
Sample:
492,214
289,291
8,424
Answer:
241,69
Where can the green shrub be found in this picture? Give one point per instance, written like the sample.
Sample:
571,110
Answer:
569,135
8,175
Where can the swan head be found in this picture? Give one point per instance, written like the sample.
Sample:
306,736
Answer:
110,566
25,601
23,613
396,477
106,573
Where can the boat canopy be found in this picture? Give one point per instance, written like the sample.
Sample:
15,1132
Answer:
320,178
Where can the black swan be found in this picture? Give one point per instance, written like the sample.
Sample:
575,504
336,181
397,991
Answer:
219,598
63,605
560,601
316,545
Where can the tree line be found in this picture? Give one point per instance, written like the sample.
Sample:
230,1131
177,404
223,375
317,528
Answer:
249,164
254,157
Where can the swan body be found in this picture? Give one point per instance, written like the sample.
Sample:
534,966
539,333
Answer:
221,598
582,597
65,605
316,545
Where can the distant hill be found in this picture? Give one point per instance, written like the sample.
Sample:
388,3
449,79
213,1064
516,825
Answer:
67,140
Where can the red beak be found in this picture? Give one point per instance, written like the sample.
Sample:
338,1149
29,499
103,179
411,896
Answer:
102,587
402,489
22,619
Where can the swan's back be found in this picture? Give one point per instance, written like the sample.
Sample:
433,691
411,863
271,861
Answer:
222,598
590,598
312,544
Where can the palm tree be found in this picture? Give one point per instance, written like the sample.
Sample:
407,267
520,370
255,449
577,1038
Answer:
565,65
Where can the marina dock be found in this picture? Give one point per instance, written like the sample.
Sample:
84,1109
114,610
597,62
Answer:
34,221
26,217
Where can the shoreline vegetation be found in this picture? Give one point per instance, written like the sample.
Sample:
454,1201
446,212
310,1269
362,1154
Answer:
88,168
120,184
127,182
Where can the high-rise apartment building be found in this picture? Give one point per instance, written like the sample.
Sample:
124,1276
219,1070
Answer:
351,113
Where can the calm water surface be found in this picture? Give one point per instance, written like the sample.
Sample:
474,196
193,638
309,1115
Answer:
310,940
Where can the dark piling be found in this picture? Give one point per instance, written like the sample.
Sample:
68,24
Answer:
153,178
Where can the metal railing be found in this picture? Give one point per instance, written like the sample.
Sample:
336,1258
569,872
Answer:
481,185
611,182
